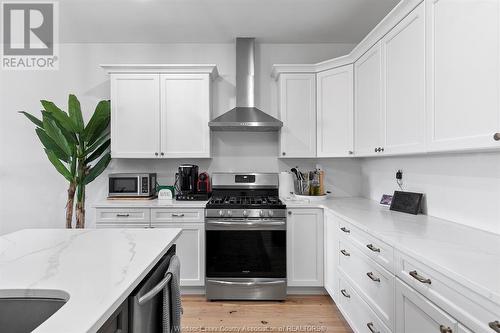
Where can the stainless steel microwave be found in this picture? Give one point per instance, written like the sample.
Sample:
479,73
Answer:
132,185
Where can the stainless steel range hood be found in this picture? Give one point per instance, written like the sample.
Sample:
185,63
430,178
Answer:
245,116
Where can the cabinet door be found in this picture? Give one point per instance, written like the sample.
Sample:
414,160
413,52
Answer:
135,115
463,74
298,113
403,56
331,245
190,250
416,314
185,112
335,112
368,103
305,247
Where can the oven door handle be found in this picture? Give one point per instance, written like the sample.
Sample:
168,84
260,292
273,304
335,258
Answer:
236,224
232,283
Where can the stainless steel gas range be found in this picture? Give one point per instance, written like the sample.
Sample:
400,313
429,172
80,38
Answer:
245,224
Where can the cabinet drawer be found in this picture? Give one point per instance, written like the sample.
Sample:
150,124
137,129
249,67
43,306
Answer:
123,216
469,308
372,281
177,215
377,250
357,313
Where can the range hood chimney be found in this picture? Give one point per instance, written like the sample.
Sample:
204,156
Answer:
245,116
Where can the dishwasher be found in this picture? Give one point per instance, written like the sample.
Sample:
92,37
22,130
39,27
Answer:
145,304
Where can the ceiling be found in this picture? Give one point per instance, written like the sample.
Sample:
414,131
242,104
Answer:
219,21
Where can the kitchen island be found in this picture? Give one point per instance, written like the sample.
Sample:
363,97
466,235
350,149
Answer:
94,270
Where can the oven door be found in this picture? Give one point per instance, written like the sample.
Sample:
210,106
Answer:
246,248
123,186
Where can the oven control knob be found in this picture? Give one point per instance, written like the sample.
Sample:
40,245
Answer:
271,213
245,213
229,213
261,213
221,213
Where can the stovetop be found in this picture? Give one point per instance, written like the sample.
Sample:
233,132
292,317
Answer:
248,202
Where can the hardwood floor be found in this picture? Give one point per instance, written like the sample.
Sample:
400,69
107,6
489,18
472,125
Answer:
296,314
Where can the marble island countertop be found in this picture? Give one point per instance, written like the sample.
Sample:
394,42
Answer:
95,270
467,255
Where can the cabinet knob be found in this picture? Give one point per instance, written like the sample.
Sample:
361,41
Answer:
495,325
444,329
350,152
283,153
289,212
162,153
156,154
496,136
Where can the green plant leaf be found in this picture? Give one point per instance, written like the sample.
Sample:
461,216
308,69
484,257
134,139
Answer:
70,136
58,165
52,130
98,152
61,116
98,122
32,118
97,169
97,143
75,113
50,145
73,163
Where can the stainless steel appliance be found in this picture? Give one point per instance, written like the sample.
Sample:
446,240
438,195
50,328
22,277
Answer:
132,185
187,179
245,224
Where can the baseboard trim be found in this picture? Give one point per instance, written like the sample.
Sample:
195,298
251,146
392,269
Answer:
188,290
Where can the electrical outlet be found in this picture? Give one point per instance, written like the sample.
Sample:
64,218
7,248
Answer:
399,174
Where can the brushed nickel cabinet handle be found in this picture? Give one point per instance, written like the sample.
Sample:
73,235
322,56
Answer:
371,328
381,149
419,278
344,229
345,253
376,150
372,277
495,325
122,215
178,214
344,292
444,329
496,136
373,248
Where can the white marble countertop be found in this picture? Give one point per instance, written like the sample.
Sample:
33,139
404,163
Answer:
148,204
96,268
467,255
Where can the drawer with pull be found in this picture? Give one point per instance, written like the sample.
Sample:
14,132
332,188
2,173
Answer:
474,311
123,215
165,215
374,282
356,311
374,248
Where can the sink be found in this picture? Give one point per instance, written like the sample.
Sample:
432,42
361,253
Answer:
23,311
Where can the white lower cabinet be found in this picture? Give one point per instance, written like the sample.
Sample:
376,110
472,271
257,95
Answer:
416,314
305,247
331,256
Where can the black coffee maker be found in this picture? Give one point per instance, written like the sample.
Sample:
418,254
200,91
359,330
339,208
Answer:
187,179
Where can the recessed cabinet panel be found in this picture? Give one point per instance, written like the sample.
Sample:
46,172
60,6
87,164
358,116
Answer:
331,246
135,115
298,113
335,112
463,74
403,54
368,103
185,112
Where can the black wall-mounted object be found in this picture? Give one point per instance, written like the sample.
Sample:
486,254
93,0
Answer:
407,202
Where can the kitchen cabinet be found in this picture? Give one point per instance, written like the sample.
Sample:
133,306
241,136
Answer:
403,77
463,67
160,111
135,115
368,103
416,314
297,108
331,256
335,112
305,247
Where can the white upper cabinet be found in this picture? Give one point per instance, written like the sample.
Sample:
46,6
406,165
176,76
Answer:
160,111
335,112
297,104
368,103
403,77
185,112
463,74
135,115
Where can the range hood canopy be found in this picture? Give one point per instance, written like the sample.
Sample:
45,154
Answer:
245,116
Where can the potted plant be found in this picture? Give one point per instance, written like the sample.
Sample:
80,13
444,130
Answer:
79,152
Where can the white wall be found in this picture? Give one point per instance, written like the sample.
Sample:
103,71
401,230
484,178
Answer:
463,188
32,194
